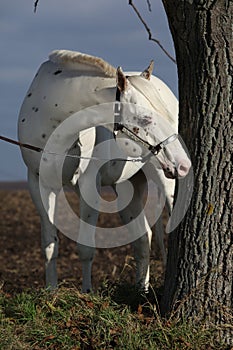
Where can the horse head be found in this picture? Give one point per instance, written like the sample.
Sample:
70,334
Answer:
143,107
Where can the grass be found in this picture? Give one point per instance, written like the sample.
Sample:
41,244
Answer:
112,318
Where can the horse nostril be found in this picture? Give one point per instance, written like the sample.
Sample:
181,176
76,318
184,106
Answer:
183,168
169,172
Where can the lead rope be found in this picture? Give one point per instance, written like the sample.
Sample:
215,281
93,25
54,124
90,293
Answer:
24,145
40,150
154,150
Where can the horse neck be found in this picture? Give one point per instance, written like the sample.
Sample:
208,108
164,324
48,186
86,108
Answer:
105,95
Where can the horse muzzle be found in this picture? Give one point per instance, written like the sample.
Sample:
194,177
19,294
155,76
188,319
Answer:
178,171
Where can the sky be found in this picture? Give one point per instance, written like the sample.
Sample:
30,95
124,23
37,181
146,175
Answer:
106,28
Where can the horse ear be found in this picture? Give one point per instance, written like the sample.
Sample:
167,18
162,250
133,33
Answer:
148,71
121,80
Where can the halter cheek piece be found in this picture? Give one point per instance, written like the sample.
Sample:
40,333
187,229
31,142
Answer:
118,126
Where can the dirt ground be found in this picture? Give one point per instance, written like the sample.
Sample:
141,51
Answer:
21,261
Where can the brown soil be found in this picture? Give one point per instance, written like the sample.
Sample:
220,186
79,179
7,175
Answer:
21,261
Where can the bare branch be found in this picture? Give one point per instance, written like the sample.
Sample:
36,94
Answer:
149,5
149,31
35,5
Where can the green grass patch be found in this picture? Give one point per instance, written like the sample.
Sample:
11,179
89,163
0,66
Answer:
113,318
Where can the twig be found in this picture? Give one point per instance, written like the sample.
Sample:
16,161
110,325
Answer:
35,5
149,31
149,5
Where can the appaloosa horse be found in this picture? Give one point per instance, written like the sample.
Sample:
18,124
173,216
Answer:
68,103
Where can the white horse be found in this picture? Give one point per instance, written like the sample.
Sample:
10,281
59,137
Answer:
71,82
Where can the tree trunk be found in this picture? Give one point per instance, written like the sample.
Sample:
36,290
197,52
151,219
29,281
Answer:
199,277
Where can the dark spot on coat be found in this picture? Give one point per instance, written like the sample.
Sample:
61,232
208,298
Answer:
37,173
56,105
23,120
146,120
57,72
29,95
44,97
35,109
126,143
136,130
43,136
134,150
54,120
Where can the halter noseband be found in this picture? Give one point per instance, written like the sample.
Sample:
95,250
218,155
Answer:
118,126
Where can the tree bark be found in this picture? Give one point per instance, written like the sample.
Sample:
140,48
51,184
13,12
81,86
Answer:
199,276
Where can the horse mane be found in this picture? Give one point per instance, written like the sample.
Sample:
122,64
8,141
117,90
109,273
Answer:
150,92
79,61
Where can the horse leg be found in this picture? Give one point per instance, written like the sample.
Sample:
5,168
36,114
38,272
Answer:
142,257
159,238
134,217
88,220
159,227
49,238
